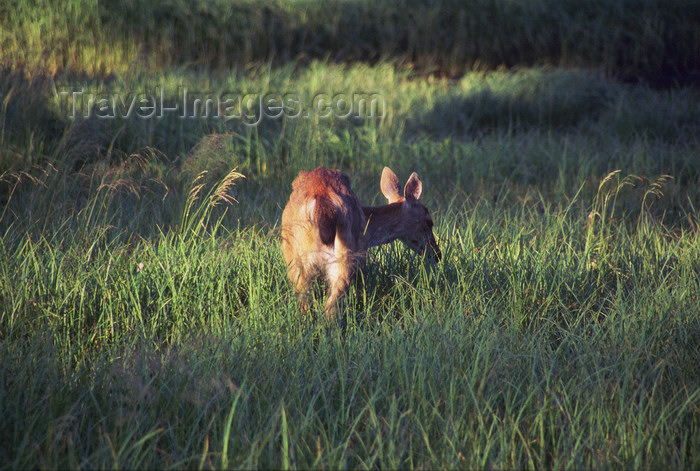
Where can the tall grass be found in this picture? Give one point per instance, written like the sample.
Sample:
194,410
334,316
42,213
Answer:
651,40
436,116
566,337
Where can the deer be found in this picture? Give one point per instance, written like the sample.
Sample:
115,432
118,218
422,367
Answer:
326,232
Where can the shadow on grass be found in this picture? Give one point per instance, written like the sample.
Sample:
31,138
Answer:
556,99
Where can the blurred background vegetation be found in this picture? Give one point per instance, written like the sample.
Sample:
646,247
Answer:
434,60
656,41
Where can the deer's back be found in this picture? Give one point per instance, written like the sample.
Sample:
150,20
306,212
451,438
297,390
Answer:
322,215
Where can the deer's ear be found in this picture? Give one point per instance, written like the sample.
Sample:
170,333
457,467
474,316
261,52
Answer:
390,185
413,188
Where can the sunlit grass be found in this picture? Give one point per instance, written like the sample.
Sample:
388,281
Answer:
543,338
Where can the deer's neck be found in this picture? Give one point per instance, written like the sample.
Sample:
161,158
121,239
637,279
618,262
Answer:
383,223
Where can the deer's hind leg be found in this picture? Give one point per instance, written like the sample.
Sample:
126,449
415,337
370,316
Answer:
300,270
299,278
338,276
348,254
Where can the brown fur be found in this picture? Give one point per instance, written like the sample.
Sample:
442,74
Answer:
326,231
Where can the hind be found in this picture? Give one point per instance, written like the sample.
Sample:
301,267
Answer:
326,231
322,236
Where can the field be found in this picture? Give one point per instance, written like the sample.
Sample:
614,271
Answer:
146,320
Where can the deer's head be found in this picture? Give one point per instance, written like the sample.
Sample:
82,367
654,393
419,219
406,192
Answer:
412,225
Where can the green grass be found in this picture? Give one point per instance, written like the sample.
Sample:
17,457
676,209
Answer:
145,316
534,343
651,40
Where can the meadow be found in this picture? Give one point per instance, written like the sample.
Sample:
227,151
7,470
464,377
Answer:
146,320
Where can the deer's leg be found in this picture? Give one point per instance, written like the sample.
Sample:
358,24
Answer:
338,274
300,280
